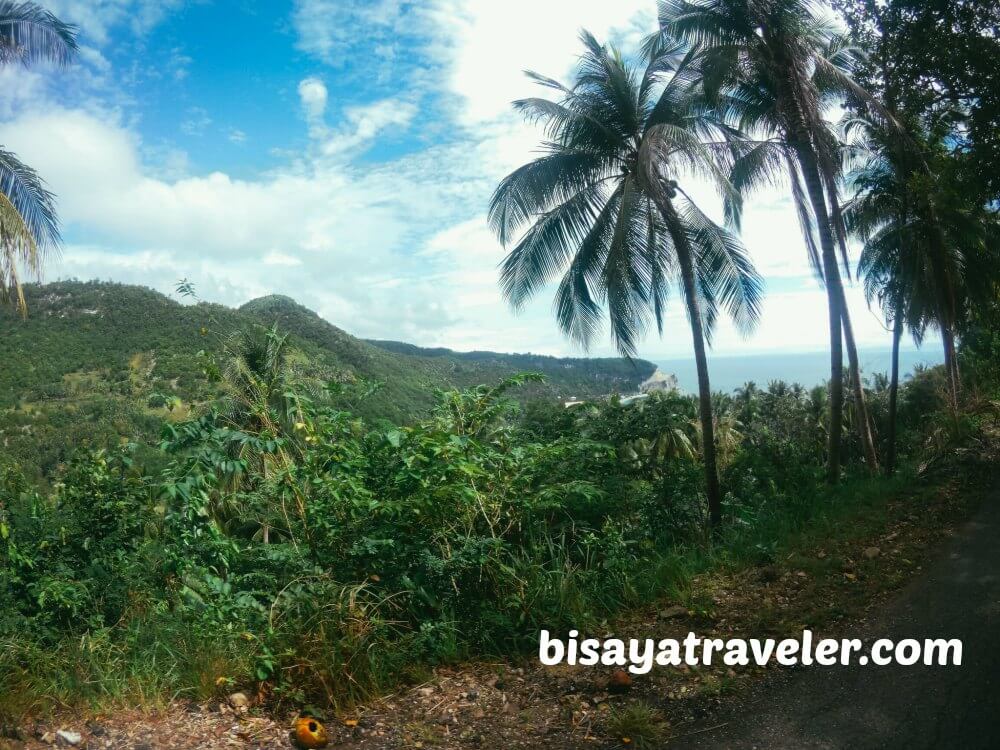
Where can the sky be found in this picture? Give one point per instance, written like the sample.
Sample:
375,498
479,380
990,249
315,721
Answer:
341,152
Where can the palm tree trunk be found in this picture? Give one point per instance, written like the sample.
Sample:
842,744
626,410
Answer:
950,364
890,451
714,491
955,365
685,257
948,313
860,405
834,297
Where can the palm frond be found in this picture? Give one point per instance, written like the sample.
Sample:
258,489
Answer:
675,148
804,213
661,257
756,166
726,271
549,244
27,193
30,34
578,313
538,186
18,248
627,277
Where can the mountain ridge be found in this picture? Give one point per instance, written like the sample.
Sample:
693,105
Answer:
95,362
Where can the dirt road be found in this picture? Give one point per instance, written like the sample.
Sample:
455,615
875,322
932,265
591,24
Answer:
957,595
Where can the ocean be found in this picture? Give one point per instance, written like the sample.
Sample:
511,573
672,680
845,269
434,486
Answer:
806,368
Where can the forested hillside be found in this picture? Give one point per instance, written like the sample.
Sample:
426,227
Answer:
572,373
97,363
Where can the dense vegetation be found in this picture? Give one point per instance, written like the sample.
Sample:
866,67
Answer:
98,363
291,544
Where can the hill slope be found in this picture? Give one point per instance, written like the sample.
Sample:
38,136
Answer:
93,361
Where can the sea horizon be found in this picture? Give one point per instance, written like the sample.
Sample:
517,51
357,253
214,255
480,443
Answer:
728,372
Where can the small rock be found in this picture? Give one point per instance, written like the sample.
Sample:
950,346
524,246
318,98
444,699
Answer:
67,737
676,611
425,692
871,553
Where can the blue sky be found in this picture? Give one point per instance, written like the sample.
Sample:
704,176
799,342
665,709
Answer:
340,152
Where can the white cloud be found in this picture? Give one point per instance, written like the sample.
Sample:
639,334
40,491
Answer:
280,259
797,320
20,87
97,17
362,124
331,29
313,96
487,45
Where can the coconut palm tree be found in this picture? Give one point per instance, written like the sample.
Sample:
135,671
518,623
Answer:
928,253
894,278
29,229
605,210
771,67
893,263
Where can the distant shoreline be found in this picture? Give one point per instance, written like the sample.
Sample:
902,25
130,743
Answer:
728,372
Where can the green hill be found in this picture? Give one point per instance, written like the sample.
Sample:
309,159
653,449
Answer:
95,363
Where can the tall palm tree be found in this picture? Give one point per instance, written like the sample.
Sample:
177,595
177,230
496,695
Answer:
604,209
894,277
771,67
928,252
29,229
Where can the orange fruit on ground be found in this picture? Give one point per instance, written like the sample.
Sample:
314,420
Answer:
620,681
310,733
